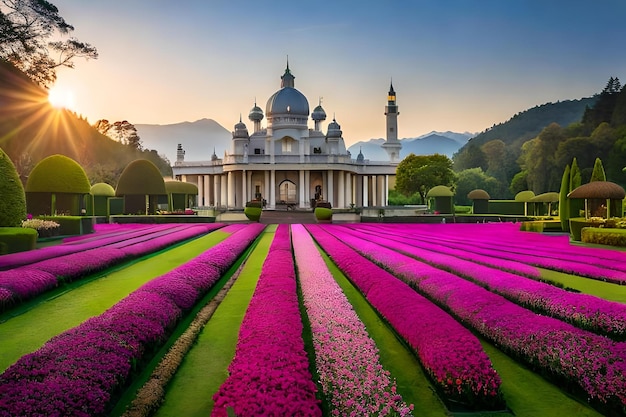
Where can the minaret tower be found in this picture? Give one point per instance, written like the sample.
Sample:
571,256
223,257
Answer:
392,145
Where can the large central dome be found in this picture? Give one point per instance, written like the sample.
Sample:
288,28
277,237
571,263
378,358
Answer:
287,100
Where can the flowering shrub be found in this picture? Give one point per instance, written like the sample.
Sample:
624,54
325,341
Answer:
269,374
450,353
79,371
353,380
583,310
577,359
44,228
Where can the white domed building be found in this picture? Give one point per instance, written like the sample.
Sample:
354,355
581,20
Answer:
288,164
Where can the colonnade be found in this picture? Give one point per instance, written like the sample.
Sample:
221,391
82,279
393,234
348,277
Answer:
342,188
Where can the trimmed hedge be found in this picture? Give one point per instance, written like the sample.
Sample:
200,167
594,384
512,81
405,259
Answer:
604,236
72,225
323,213
13,201
17,239
58,174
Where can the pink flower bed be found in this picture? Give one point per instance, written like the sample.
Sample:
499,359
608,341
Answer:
451,354
69,262
577,359
79,371
270,372
585,311
353,380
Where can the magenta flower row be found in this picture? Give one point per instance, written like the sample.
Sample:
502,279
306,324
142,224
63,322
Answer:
25,282
347,359
587,262
450,353
78,372
269,374
583,310
576,357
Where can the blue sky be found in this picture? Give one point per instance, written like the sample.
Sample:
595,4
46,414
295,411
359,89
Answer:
456,65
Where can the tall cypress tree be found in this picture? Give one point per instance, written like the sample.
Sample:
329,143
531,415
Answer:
575,181
563,205
598,173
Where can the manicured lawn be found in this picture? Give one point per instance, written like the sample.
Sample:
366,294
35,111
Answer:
205,367
605,290
528,394
395,357
25,330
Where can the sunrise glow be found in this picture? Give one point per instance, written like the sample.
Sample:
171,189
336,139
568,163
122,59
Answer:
61,98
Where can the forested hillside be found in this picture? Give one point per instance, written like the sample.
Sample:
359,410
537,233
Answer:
531,150
31,129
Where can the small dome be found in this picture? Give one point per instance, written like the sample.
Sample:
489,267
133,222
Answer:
287,100
360,158
334,130
241,131
600,190
318,113
256,114
440,191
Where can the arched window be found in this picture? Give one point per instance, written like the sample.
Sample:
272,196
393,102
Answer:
287,190
288,145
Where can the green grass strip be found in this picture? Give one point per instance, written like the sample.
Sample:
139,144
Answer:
28,331
529,395
205,367
601,289
395,357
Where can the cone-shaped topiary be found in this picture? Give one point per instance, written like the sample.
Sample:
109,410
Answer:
58,174
598,173
563,204
12,198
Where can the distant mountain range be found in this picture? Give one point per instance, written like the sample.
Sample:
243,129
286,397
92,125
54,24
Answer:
444,143
201,138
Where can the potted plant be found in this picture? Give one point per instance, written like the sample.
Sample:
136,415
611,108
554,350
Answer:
253,210
323,211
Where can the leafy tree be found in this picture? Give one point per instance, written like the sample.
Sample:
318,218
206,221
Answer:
471,179
617,160
519,182
419,173
123,132
13,201
598,171
538,159
575,179
30,33
470,156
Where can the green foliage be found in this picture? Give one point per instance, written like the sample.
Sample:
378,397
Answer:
538,159
472,179
604,236
17,239
470,156
140,177
58,174
12,197
396,198
102,189
253,213
598,171
532,226
323,213
419,173
519,182
563,204
180,187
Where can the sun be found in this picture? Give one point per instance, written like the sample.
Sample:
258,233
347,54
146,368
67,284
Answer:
61,98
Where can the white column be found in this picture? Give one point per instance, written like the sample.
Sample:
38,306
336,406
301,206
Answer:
301,187
374,193
216,190
348,193
250,190
231,189
331,191
354,177
365,195
206,193
224,190
307,188
266,190
183,178
272,200
200,190
341,190
244,188
386,194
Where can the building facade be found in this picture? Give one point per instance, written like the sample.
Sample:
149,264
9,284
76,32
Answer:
289,164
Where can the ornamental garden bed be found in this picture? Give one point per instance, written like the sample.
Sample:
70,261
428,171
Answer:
542,349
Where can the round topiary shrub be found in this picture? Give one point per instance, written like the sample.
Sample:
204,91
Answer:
58,174
140,180
13,201
253,210
323,214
